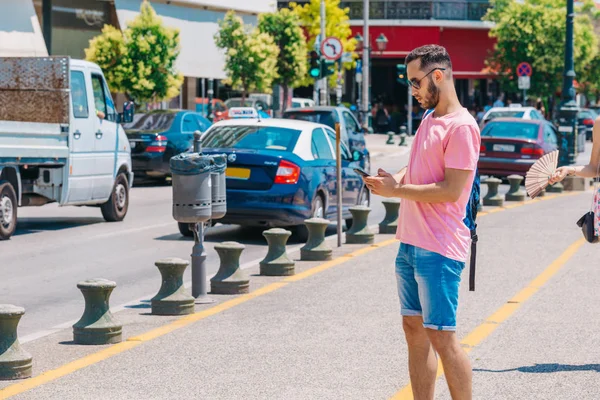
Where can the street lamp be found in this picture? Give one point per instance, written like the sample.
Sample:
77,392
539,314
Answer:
381,43
568,108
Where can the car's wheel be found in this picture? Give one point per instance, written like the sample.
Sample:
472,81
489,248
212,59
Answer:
185,230
317,211
8,210
116,207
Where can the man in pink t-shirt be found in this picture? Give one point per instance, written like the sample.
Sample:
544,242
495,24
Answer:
434,241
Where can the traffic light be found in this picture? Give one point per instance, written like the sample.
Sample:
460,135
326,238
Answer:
401,74
327,68
314,68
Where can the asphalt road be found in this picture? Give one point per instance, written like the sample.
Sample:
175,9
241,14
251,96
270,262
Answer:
56,247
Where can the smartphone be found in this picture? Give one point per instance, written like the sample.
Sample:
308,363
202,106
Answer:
361,172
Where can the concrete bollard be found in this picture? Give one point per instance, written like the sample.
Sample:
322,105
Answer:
390,221
230,279
359,233
403,136
492,198
15,363
515,193
390,139
277,261
172,299
97,324
556,188
316,249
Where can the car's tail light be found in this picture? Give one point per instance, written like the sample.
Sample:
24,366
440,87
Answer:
588,121
482,148
532,150
158,145
287,172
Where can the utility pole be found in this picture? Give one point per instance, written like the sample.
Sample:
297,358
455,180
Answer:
366,76
323,81
568,108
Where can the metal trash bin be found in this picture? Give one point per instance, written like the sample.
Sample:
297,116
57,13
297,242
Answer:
219,192
192,193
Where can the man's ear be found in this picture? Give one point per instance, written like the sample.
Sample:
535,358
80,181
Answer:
439,76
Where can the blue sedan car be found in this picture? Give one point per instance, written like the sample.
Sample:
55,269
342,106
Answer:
281,172
157,136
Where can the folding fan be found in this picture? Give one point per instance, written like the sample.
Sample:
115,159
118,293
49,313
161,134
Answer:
540,173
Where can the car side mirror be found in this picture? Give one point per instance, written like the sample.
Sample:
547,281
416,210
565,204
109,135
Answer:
128,110
357,156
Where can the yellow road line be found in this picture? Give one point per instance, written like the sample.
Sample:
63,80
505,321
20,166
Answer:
480,333
135,341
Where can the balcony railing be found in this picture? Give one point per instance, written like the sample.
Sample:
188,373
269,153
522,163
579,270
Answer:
455,10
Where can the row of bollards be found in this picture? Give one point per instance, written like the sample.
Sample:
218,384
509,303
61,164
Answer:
515,192
402,134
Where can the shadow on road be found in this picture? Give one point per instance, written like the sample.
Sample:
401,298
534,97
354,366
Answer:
546,368
33,225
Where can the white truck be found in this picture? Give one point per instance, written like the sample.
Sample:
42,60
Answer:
60,139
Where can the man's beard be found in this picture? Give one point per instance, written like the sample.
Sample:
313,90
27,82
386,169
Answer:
433,96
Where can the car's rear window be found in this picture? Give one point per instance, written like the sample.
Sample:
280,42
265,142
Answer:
153,121
505,114
328,118
251,137
511,130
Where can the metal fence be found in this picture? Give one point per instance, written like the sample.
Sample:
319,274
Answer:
466,10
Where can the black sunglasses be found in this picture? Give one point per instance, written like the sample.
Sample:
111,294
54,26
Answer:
417,83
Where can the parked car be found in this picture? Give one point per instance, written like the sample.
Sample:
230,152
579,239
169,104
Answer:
298,102
511,145
353,136
219,109
281,172
514,111
585,121
159,135
61,139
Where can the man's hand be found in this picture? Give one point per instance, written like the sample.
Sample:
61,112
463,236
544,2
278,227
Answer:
384,184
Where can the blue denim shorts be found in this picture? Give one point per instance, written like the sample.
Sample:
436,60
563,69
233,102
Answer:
428,286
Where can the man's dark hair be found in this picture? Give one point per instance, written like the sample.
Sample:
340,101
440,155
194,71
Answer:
430,55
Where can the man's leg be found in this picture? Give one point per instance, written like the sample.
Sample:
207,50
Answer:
457,366
422,362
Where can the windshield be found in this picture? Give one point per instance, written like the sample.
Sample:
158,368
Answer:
251,137
511,130
505,114
328,118
153,122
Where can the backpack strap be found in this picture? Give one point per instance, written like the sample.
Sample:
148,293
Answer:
474,239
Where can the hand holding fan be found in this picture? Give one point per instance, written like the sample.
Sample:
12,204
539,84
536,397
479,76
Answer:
540,173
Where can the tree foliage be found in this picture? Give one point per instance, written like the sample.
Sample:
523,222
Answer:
250,55
284,27
140,61
337,24
534,31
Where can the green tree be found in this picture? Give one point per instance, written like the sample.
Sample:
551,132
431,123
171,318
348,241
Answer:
250,55
337,24
284,27
140,63
534,31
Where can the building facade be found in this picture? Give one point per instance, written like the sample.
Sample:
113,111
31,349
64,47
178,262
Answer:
65,27
407,24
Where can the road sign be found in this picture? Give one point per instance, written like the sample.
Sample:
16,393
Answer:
524,82
524,69
331,48
347,57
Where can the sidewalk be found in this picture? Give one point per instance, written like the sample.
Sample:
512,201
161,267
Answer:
334,331
378,148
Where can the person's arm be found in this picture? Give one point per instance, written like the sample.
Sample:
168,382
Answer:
586,171
446,191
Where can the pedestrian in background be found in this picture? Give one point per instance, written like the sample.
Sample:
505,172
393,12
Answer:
434,241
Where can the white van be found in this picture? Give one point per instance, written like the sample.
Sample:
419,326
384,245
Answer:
60,139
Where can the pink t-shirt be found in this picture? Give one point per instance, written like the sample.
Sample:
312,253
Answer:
450,141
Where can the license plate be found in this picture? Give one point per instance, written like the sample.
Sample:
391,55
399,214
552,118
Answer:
132,144
504,147
237,173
